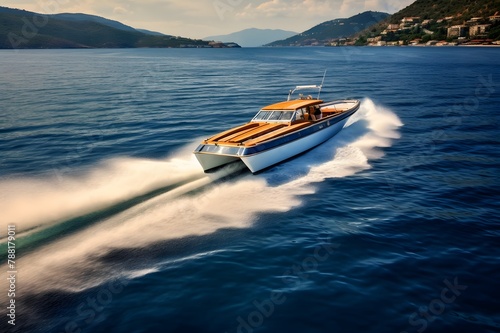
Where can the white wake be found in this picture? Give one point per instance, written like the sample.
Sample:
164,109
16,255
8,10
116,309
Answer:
232,204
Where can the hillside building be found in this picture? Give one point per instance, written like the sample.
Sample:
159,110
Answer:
495,18
415,19
475,20
374,39
479,29
458,31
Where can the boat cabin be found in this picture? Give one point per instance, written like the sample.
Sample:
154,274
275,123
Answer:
290,112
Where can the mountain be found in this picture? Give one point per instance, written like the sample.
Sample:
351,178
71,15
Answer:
426,20
78,17
23,29
149,32
253,37
102,20
334,29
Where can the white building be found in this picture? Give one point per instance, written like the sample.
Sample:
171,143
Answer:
479,29
458,31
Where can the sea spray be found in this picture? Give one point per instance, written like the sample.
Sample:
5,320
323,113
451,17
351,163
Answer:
36,202
349,152
201,207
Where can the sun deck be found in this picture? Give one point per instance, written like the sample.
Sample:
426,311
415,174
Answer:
279,119
293,104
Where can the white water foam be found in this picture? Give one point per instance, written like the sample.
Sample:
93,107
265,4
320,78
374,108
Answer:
30,203
232,204
356,146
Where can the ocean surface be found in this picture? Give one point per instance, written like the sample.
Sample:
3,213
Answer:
391,226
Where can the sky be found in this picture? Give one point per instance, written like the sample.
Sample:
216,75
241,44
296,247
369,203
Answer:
202,18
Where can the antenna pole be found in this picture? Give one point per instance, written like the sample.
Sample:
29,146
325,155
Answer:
322,81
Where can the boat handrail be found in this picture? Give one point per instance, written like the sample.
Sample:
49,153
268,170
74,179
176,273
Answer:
302,88
308,87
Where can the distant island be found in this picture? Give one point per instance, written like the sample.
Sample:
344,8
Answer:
253,37
20,29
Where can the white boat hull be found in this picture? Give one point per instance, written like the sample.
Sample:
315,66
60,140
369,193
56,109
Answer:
261,144
213,161
263,160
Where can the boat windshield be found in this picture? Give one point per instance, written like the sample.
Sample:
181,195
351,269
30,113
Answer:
274,116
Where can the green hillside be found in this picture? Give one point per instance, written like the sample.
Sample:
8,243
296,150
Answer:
334,29
436,9
92,18
22,29
434,17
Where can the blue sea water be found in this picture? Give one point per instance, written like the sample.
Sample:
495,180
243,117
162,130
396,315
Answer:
389,227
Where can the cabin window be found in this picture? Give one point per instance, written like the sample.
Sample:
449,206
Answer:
274,116
287,115
262,115
300,114
281,116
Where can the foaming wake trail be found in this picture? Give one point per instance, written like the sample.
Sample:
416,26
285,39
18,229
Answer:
166,217
349,152
170,218
371,128
36,202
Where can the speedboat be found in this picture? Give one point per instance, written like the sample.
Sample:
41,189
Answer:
277,132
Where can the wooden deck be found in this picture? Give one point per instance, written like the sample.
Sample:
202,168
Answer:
254,133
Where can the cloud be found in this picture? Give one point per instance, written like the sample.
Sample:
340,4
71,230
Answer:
350,7
119,10
293,15
295,9
199,18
